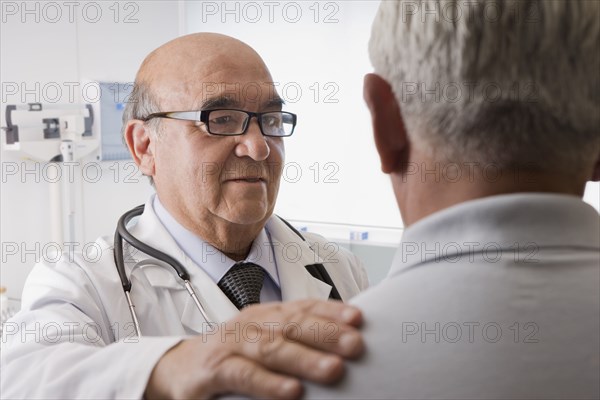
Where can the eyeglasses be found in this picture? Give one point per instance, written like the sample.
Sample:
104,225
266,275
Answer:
228,122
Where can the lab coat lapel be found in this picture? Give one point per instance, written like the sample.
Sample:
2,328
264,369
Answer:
292,254
219,308
217,305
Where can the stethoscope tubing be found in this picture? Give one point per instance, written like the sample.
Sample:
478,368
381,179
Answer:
123,234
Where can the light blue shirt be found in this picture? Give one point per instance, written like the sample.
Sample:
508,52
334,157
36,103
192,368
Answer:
214,262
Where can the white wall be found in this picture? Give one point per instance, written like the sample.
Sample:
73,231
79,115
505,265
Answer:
53,54
317,54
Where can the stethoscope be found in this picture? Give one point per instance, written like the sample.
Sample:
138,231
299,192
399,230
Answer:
318,271
123,234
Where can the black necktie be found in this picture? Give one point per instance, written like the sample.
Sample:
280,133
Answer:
243,283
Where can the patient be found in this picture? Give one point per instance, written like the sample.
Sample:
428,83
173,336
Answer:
488,125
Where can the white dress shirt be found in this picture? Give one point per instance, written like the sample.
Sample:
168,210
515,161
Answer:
214,262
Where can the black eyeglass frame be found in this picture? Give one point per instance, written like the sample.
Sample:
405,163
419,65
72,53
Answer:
203,116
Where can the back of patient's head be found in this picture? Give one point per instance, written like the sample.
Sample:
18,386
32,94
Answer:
514,83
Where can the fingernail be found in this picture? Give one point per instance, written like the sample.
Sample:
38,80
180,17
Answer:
349,314
289,388
327,363
348,341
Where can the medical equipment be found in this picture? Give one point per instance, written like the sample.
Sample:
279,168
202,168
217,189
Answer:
55,132
56,135
318,271
113,98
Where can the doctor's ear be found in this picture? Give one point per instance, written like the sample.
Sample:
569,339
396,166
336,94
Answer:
139,140
388,127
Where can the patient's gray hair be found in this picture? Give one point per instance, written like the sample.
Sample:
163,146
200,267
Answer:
512,82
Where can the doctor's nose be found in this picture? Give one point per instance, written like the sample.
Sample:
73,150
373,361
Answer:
252,143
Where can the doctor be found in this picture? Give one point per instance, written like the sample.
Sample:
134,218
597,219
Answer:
216,175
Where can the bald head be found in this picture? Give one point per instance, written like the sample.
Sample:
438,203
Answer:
179,72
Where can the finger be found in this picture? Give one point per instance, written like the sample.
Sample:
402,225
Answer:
327,336
298,360
315,323
323,334
243,376
333,310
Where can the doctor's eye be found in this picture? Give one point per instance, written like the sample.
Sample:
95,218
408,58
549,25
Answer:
272,120
224,118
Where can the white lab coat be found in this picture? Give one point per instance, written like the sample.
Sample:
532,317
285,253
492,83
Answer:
74,337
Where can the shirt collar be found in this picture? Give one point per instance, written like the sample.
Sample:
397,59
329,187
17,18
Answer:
210,259
508,222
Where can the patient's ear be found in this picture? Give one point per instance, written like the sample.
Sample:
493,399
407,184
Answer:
140,141
388,127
